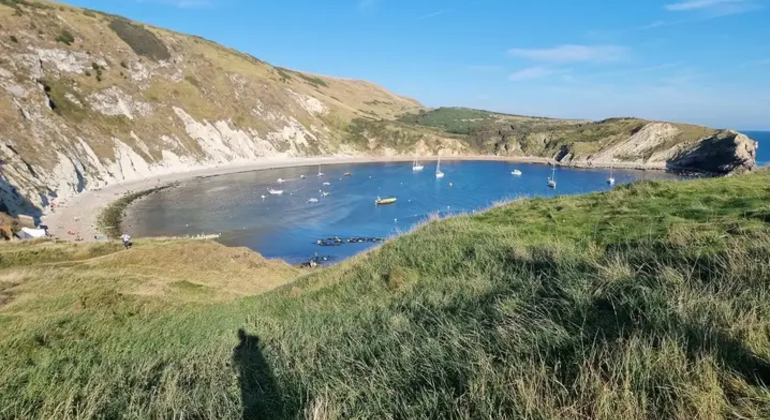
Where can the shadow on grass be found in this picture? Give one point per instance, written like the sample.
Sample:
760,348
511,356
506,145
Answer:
260,394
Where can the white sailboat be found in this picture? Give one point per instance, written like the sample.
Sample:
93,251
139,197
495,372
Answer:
416,166
275,192
552,178
439,174
516,172
611,179
319,171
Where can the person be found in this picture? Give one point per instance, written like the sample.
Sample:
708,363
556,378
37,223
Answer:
126,240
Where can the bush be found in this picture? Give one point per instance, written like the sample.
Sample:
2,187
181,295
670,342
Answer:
141,40
14,39
65,37
124,64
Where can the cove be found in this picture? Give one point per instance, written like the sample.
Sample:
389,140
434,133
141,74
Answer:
287,226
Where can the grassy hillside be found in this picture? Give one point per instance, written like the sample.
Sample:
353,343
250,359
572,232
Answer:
504,134
649,301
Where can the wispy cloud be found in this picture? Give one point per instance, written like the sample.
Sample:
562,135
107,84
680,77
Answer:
531,73
700,4
572,53
440,12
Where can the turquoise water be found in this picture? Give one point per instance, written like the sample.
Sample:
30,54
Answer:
763,153
288,227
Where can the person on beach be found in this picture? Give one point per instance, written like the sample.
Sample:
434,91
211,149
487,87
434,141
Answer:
126,240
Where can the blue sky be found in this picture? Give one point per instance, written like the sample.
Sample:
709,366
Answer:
698,61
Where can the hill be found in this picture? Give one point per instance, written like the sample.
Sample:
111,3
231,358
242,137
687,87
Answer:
627,142
89,99
649,301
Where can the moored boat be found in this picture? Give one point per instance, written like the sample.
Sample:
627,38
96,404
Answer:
380,201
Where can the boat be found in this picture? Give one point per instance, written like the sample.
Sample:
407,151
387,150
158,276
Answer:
326,184
611,179
439,174
280,180
319,171
312,200
552,178
325,193
263,196
347,174
516,172
302,176
416,166
275,192
381,201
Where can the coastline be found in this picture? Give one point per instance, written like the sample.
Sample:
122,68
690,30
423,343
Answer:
81,212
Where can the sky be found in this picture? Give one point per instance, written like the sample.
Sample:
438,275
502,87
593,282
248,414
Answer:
698,61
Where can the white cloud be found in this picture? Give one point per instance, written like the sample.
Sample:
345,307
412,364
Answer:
530,73
700,4
572,53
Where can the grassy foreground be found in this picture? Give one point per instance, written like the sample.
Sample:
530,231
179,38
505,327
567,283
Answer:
651,301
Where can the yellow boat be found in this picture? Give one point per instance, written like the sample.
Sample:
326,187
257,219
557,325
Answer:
380,201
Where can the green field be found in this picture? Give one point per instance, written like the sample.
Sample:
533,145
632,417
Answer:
648,302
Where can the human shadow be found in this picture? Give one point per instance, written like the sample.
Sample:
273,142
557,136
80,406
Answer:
259,390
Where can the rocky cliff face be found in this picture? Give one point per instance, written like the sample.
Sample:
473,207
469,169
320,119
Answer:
88,99
656,145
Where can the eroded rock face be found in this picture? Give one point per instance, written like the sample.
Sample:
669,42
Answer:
727,152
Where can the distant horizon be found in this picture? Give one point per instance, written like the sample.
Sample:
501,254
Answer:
653,60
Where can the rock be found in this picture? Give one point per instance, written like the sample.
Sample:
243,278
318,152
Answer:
726,152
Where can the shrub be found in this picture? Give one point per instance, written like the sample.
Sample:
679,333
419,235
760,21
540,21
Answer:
141,40
89,13
65,37
124,64
14,39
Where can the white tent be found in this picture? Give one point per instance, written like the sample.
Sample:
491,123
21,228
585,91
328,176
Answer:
27,233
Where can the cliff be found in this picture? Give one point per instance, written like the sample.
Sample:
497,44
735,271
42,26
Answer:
624,142
89,99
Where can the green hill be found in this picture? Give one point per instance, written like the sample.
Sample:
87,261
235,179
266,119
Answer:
650,301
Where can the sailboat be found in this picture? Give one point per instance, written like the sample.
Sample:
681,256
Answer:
319,171
275,192
611,179
439,174
516,172
552,178
416,166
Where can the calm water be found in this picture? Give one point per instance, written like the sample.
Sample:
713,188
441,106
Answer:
288,227
763,153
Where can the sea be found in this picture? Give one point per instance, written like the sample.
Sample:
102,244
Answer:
763,153
290,226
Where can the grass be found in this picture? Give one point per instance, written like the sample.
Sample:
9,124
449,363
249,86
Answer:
65,37
140,39
649,301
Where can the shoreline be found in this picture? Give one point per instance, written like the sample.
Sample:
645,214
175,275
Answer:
81,212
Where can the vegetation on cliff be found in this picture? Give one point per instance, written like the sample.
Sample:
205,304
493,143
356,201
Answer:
649,301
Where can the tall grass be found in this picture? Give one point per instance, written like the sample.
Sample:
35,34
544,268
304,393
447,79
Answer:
650,301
